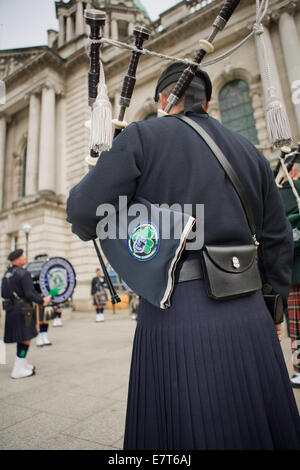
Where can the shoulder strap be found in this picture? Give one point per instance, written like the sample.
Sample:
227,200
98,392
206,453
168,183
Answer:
230,172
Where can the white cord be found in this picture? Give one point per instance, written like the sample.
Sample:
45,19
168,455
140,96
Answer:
261,9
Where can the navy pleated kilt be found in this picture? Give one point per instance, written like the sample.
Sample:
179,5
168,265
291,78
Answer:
15,330
209,375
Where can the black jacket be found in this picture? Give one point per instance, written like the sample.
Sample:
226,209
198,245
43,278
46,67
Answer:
97,284
21,283
164,161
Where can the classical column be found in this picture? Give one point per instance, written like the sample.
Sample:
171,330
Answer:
47,141
61,31
69,29
79,19
32,161
262,63
259,114
291,51
106,30
60,152
114,30
130,29
3,124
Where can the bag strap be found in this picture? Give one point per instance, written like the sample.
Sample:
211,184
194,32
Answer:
230,172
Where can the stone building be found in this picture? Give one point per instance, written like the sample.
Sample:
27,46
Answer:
43,139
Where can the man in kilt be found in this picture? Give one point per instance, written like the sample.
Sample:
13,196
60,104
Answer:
205,374
291,207
98,295
18,293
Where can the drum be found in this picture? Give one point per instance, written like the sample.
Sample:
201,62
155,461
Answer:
54,276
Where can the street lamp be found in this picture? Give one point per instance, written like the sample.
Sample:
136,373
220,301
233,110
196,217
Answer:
26,229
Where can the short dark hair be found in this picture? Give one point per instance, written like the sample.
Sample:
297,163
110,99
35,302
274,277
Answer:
172,74
168,90
201,93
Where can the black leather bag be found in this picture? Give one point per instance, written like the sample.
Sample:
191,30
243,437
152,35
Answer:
230,271
274,303
7,305
27,311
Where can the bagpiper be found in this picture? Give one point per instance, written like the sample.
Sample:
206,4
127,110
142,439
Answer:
20,321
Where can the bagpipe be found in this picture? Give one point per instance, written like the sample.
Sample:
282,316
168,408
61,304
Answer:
101,119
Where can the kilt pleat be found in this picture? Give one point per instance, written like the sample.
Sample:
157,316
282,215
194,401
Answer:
209,376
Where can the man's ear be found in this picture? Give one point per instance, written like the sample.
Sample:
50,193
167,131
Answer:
163,101
293,173
207,106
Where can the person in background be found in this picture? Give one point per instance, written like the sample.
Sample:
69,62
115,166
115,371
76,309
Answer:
98,295
291,207
19,293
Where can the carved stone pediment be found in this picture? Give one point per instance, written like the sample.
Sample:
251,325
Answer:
11,61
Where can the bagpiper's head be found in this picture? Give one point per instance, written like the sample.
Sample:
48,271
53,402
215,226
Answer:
198,93
17,258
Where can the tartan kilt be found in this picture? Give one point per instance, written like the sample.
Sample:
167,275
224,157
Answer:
294,323
294,312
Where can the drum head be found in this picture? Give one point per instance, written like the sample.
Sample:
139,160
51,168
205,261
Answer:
57,275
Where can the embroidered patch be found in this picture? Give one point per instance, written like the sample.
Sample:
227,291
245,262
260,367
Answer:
143,242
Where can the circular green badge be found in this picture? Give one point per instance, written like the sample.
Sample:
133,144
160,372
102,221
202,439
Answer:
143,242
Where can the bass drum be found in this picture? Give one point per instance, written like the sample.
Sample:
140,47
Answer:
54,276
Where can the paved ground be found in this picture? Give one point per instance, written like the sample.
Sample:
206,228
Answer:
77,399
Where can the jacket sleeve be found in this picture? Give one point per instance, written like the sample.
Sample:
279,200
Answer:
275,252
6,292
28,289
115,174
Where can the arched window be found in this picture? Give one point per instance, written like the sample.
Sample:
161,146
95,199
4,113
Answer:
236,109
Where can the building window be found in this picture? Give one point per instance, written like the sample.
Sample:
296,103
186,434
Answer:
65,29
122,30
23,181
236,109
14,238
73,18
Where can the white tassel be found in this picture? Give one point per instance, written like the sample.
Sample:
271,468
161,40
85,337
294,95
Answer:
101,126
277,123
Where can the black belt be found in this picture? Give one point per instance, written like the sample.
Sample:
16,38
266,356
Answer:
189,270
